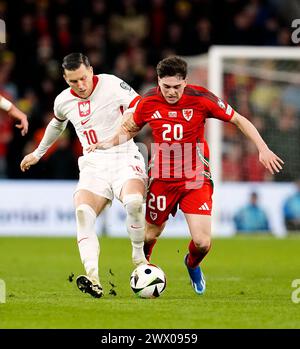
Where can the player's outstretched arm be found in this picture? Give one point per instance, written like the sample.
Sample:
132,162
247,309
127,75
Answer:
28,161
52,132
270,160
127,130
15,113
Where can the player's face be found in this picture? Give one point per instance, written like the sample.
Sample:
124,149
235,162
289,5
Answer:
172,88
80,80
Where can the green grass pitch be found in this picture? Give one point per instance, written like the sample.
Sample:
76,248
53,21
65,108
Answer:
249,285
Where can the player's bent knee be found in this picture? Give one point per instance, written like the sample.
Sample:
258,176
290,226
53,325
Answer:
85,219
150,238
133,204
203,244
84,210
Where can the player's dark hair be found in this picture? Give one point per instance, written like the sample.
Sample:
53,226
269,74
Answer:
74,60
172,66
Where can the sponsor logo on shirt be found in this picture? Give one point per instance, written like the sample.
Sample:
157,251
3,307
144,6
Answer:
187,114
84,108
83,122
156,115
204,207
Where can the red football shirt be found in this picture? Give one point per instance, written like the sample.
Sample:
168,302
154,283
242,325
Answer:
180,151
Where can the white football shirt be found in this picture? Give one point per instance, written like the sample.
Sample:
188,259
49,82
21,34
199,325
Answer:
98,117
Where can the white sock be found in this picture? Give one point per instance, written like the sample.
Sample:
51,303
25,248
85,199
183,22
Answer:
135,223
88,243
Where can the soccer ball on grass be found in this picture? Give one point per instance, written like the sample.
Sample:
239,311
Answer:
148,281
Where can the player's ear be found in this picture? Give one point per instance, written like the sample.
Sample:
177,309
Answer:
64,76
91,70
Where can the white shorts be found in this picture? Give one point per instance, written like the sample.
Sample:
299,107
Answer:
105,174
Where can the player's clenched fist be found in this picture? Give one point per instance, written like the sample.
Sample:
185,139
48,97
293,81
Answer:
28,161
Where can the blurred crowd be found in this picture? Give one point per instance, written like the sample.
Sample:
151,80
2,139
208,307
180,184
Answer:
271,101
127,38
252,217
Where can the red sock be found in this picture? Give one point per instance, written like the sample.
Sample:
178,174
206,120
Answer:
148,247
196,255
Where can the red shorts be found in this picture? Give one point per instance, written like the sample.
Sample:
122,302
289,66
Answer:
164,198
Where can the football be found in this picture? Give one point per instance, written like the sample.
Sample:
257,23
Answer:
148,281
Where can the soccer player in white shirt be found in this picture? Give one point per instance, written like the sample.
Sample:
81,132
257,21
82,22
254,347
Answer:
95,104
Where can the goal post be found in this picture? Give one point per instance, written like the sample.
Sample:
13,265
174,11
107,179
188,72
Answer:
278,67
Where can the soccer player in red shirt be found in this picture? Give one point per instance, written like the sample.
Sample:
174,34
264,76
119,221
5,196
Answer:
179,169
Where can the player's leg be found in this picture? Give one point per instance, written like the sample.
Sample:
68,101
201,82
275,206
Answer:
200,229
196,205
152,232
132,197
88,206
162,199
